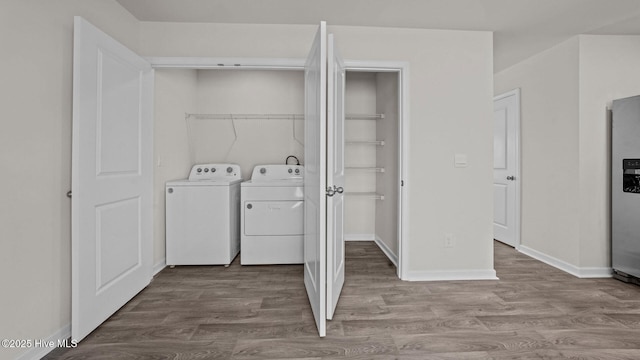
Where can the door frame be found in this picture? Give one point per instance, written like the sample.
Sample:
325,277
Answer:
517,206
400,67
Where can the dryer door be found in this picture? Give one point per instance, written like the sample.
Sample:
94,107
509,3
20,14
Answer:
265,218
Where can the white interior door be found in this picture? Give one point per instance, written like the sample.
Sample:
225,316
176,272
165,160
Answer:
506,208
315,155
112,177
335,175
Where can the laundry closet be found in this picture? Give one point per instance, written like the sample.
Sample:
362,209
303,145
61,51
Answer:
252,117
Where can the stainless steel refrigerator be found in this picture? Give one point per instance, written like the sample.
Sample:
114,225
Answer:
625,189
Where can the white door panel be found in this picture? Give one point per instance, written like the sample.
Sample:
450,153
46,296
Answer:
112,177
315,154
335,176
506,117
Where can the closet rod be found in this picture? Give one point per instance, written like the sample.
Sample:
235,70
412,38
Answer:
275,116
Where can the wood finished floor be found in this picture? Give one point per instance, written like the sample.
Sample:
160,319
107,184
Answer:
261,312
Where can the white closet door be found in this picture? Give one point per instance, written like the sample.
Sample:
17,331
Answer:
315,155
112,177
335,176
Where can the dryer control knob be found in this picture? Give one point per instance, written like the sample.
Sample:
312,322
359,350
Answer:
290,170
213,170
206,169
263,171
199,170
229,170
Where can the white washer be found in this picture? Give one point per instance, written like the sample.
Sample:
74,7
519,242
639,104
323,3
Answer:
272,216
203,216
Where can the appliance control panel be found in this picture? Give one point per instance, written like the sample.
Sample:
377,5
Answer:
277,172
215,172
631,176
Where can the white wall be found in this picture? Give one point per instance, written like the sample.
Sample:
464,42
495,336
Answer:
264,141
608,70
566,92
448,68
549,148
35,157
175,94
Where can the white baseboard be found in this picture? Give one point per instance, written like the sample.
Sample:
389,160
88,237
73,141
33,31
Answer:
36,353
586,272
385,249
159,267
359,237
451,275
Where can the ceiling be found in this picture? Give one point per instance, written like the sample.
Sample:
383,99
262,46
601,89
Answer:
521,28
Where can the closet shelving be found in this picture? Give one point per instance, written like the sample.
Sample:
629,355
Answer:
352,143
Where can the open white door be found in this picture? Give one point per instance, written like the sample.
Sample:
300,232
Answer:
506,204
112,177
335,176
315,155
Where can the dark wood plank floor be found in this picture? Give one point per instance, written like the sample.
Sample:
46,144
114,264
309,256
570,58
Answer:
261,312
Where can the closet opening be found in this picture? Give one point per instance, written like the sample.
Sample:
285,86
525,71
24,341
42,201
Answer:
249,116
372,160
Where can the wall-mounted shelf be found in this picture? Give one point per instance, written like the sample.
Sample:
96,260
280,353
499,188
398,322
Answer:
275,116
374,142
366,195
364,116
365,168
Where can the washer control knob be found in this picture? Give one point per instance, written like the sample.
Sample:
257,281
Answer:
199,170
263,171
249,206
213,170
229,170
206,169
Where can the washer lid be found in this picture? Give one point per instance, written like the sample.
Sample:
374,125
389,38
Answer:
187,182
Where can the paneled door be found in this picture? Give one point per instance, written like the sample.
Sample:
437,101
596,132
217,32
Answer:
335,176
315,178
506,178
112,177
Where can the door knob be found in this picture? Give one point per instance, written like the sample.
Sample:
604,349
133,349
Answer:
511,178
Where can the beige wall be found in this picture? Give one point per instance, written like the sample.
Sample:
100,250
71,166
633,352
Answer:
566,92
549,148
35,157
448,69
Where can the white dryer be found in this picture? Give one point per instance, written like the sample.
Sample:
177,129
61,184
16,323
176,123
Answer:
203,216
272,216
